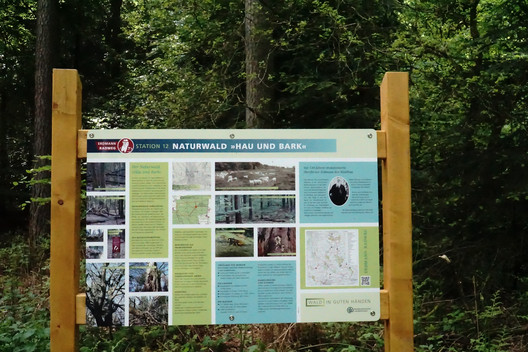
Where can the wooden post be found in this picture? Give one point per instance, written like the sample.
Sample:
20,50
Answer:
396,207
65,210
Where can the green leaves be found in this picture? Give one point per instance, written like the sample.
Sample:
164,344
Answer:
187,65
467,93
24,318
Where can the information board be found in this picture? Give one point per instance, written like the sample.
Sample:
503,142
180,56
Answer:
231,226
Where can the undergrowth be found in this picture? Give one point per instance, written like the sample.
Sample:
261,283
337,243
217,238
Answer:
24,309
497,323
330,337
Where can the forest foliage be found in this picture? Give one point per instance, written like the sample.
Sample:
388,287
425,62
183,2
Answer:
181,64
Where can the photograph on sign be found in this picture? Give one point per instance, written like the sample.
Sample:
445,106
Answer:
264,175
234,242
191,176
101,177
105,293
231,227
276,241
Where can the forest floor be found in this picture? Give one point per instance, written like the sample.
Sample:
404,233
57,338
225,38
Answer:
440,325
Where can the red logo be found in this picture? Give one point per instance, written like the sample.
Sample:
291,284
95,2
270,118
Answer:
116,245
125,145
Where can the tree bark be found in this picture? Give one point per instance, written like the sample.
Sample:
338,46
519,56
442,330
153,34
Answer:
250,209
113,33
4,159
259,67
44,60
238,214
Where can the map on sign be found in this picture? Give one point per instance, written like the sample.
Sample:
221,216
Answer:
191,176
332,258
191,209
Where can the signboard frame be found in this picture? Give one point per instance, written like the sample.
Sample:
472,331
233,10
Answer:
67,305
258,207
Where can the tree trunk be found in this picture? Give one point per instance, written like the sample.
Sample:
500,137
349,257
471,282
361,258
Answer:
250,209
238,215
4,158
113,32
226,209
44,60
121,208
259,67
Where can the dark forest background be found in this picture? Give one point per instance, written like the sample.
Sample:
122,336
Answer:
288,64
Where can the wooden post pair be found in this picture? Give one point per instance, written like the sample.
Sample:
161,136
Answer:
67,306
